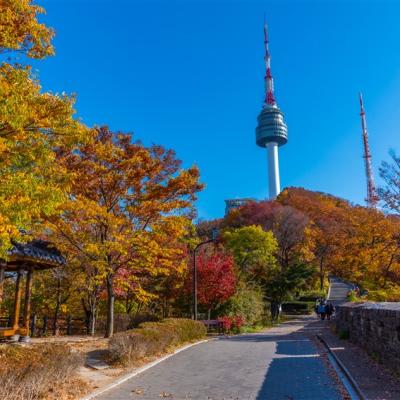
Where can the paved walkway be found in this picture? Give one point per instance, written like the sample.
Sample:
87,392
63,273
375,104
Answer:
338,290
279,364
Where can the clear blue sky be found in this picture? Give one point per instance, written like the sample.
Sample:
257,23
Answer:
189,75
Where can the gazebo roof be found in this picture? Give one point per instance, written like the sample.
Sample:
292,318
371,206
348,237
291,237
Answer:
37,253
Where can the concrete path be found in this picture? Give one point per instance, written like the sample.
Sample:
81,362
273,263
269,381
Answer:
279,364
338,290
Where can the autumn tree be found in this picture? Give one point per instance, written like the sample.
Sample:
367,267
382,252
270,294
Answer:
87,285
288,224
327,223
260,213
32,125
216,279
253,250
357,243
129,210
390,193
20,30
155,292
285,282
370,249
257,253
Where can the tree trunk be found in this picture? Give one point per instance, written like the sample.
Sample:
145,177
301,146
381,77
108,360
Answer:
92,319
275,310
57,310
110,306
165,308
89,304
209,314
87,315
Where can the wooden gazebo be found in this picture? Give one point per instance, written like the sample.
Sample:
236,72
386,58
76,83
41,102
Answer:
26,258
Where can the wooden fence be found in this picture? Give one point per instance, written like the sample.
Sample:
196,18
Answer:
44,326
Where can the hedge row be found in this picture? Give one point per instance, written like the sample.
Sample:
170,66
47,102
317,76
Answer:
152,338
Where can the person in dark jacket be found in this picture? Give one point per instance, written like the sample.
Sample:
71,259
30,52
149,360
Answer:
322,309
329,310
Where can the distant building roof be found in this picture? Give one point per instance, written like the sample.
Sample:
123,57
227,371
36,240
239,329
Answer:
236,203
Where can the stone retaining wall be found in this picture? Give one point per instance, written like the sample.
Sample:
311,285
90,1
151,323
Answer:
374,326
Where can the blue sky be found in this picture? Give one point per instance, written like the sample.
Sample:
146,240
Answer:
189,75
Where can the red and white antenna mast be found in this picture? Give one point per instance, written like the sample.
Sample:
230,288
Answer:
269,81
372,198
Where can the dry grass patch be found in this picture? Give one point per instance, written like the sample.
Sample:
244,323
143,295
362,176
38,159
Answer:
36,372
153,338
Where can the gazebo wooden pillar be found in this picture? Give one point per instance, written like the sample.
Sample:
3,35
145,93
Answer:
28,298
17,300
34,256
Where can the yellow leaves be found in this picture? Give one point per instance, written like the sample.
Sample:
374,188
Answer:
252,248
127,210
32,126
20,30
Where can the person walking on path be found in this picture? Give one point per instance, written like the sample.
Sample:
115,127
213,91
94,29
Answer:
322,310
316,309
329,309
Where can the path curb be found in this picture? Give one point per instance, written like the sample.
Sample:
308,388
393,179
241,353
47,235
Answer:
138,371
346,372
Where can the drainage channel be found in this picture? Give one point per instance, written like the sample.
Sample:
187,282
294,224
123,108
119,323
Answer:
344,374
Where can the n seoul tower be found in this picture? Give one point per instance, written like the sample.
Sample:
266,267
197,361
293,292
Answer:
271,131
372,198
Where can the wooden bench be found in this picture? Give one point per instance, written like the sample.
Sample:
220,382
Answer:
213,324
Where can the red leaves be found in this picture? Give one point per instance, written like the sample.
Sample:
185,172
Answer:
216,280
229,323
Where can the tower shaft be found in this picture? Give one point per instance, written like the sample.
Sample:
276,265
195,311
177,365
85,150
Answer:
371,190
273,170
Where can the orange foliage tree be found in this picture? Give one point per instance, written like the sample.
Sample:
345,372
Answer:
128,210
357,243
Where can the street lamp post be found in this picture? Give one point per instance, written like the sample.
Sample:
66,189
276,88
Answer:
213,239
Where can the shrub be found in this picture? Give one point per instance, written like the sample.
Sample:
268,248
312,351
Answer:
247,302
30,372
391,293
352,296
232,323
152,338
226,323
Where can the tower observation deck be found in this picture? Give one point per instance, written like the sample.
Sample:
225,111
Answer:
271,131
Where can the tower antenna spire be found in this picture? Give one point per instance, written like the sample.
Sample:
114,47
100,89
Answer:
269,80
372,198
